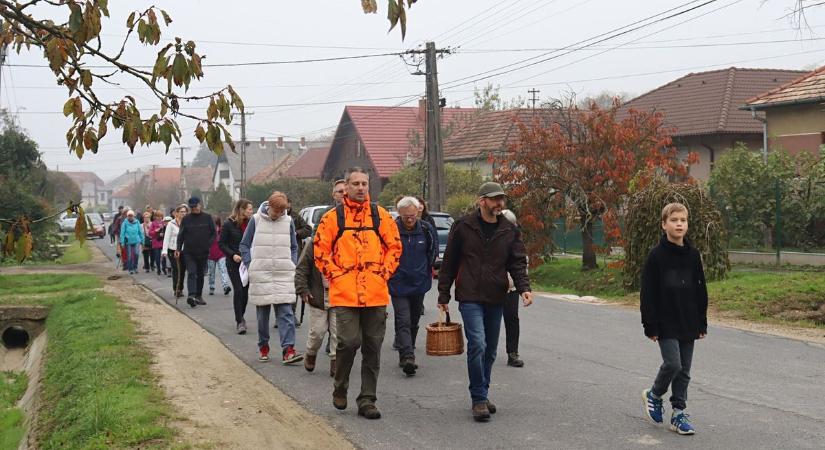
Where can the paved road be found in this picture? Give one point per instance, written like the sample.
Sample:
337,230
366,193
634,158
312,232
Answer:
586,366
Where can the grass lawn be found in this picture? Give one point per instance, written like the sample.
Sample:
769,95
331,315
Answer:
76,254
12,387
762,293
97,390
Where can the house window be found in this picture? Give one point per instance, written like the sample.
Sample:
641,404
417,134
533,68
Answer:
224,174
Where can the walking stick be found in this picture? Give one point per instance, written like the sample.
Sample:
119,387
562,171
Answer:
177,280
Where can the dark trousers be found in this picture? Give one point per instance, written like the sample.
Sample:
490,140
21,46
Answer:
178,271
195,271
360,328
677,356
156,259
147,258
407,312
240,293
511,325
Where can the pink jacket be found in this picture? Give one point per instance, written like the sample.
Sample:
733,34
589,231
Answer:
215,252
155,229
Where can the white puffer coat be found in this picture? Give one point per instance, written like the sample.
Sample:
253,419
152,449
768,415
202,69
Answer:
269,248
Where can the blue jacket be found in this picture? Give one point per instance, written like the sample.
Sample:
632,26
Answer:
414,275
131,232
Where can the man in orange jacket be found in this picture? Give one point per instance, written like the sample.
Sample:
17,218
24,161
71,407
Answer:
357,249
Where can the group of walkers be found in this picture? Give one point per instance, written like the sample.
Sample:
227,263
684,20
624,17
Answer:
359,260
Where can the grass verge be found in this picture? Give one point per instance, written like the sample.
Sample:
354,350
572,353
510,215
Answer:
97,389
758,293
76,254
12,387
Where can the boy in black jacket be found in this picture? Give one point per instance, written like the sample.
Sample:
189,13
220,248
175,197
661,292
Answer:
674,304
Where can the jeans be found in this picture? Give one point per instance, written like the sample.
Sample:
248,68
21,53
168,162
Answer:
482,324
511,325
677,356
156,259
321,321
196,269
131,251
240,293
220,266
286,324
407,312
362,328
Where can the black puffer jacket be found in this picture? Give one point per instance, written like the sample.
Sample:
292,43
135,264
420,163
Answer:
197,231
479,267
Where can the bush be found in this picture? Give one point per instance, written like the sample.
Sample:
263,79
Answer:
461,204
300,192
643,229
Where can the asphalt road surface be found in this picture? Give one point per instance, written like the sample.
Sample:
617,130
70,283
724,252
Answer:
586,366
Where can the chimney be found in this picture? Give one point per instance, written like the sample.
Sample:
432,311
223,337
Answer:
303,142
280,142
422,110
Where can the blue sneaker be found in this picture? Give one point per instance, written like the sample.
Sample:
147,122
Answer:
653,406
680,423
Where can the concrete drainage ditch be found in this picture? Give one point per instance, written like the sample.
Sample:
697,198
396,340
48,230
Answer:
22,346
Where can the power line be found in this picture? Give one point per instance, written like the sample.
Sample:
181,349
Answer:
640,47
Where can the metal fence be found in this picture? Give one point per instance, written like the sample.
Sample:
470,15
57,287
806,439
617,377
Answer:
570,240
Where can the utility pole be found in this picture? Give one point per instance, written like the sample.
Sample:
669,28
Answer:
434,154
182,185
2,61
534,92
243,150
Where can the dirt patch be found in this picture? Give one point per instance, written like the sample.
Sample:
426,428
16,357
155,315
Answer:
220,402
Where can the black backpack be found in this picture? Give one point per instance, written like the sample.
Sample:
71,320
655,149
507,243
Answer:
376,223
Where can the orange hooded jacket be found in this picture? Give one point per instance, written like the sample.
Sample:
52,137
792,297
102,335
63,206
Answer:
359,266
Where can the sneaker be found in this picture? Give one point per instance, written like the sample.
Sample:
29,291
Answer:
680,423
369,411
241,328
264,357
227,290
291,356
513,360
191,302
309,362
480,412
653,406
408,366
199,300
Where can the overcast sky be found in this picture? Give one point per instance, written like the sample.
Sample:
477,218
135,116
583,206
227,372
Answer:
742,33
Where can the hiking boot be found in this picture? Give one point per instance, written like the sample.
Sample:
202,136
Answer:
264,357
199,300
491,407
332,367
408,366
480,412
291,356
339,399
211,291
191,302
514,361
242,328
227,290
652,406
309,362
369,411
680,423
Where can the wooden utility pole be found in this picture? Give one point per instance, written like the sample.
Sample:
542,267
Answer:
436,189
534,92
243,151
182,184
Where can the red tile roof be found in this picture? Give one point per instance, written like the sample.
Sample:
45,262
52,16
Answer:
310,164
708,102
196,177
84,177
385,131
487,132
809,88
275,170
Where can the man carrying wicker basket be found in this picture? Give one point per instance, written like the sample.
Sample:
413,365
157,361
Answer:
482,248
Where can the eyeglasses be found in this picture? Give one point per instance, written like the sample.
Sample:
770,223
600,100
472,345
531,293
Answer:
405,217
340,191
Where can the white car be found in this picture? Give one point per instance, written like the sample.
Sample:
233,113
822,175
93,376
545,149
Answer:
312,214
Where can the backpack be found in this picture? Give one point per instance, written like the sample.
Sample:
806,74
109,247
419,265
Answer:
376,223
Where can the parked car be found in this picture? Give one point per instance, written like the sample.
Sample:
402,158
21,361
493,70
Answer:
443,223
312,214
107,217
67,222
95,226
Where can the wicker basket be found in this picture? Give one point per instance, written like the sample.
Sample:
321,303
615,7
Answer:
444,338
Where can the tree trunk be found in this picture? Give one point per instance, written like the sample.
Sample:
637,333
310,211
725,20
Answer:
588,253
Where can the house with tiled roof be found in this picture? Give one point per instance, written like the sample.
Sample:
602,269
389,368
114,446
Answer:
795,119
261,155
310,165
275,170
703,110
92,189
477,142
382,140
